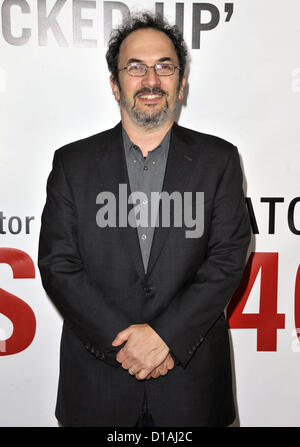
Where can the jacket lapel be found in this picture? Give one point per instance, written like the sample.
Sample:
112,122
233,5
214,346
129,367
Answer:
113,173
181,160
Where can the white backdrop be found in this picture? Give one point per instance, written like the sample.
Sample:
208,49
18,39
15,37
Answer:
243,85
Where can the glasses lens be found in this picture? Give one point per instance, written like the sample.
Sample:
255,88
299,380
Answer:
136,69
164,69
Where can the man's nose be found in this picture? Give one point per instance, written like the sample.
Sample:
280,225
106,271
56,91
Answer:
151,79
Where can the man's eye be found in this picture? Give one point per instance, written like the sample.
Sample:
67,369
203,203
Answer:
165,67
136,68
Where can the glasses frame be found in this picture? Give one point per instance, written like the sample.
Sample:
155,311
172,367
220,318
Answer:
147,68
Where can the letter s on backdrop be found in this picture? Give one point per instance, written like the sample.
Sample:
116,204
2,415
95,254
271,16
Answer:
14,308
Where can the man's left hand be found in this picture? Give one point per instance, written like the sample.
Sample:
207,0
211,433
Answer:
143,352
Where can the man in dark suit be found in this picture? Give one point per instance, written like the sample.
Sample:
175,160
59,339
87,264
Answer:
145,339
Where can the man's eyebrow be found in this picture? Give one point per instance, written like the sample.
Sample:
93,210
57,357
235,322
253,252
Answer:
165,59
162,59
132,59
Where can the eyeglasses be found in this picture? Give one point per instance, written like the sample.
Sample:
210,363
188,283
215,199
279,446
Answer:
135,69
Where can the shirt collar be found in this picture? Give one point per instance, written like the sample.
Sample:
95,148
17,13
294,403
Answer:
163,146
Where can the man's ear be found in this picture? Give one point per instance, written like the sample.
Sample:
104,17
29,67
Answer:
114,87
181,89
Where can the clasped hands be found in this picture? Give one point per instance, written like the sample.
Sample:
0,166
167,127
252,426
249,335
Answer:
145,354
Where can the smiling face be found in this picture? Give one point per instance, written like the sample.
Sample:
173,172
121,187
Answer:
148,100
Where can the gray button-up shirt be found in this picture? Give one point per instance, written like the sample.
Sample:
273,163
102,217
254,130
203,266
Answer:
146,174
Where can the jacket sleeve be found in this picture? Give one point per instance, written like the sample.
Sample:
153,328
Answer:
82,305
184,323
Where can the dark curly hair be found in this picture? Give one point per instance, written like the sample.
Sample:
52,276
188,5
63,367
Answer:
142,21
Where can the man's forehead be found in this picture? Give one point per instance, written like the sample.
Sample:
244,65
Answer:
147,43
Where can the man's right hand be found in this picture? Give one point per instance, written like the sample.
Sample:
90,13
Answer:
162,369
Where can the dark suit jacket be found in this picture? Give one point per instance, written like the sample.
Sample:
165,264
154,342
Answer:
95,277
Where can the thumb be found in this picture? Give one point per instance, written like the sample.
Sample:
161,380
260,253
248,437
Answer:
121,337
170,362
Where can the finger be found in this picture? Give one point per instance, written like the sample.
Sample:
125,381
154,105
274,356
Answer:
121,337
142,374
133,368
122,355
133,371
155,373
170,366
170,362
126,354
159,370
129,359
127,363
163,368
163,371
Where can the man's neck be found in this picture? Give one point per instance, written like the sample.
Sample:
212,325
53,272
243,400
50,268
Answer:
146,139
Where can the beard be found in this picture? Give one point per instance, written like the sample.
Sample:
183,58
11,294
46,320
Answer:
149,119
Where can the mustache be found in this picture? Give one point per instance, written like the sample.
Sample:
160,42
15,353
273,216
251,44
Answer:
150,90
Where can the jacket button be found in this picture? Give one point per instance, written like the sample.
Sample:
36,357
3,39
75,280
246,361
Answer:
147,288
100,355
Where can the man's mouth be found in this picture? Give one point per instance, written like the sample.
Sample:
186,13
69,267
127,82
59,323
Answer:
150,98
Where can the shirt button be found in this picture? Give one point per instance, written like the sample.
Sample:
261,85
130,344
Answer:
145,168
144,237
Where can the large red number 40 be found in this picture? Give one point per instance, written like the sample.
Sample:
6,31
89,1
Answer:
267,321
